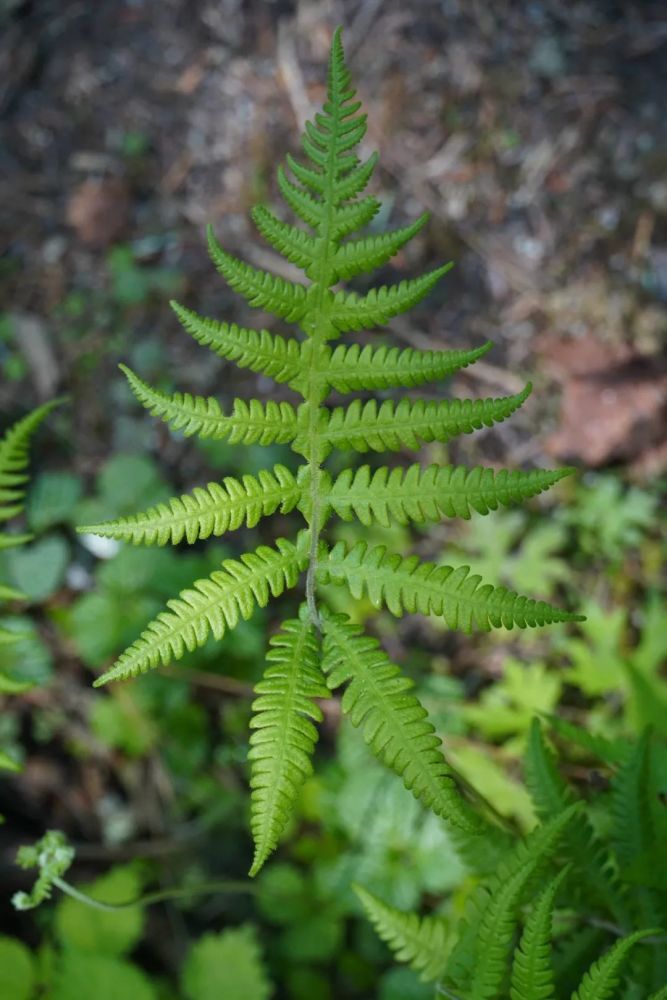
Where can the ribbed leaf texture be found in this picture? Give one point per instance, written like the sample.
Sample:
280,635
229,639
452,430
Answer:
603,977
532,970
481,957
13,463
213,510
596,869
420,942
259,350
355,368
249,423
211,606
428,494
410,586
391,426
325,189
284,736
14,456
379,698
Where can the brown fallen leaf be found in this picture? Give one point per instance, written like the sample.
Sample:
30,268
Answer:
613,404
98,211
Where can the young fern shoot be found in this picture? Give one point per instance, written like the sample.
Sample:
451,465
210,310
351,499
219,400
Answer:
318,651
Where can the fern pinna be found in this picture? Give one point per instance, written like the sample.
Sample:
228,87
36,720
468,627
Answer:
318,651
600,865
14,447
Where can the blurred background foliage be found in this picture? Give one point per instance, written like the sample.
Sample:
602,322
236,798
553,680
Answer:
533,135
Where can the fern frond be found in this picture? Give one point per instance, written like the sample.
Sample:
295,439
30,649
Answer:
428,494
218,508
379,699
532,972
365,254
604,975
261,289
211,606
250,422
425,588
550,795
283,741
354,368
391,426
660,995
260,351
632,829
421,942
350,311
480,958
14,460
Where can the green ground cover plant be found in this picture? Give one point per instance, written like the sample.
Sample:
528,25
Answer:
320,651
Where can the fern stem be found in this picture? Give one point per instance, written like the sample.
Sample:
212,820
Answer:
160,896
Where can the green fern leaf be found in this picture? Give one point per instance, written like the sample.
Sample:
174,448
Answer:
532,972
347,219
314,179
260,351
365,254
304,206
14,460
211,606
660,995
480,958
378,697
354,368
550,794
632,830
351,311
259,288
603,977
250,422
390,427
293,243
284,738
428,494
422,942
424,588
218,508
354,181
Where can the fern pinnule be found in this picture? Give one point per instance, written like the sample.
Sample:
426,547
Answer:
283,738
325,190
422,942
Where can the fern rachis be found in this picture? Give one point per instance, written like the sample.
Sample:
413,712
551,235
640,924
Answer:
326,194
